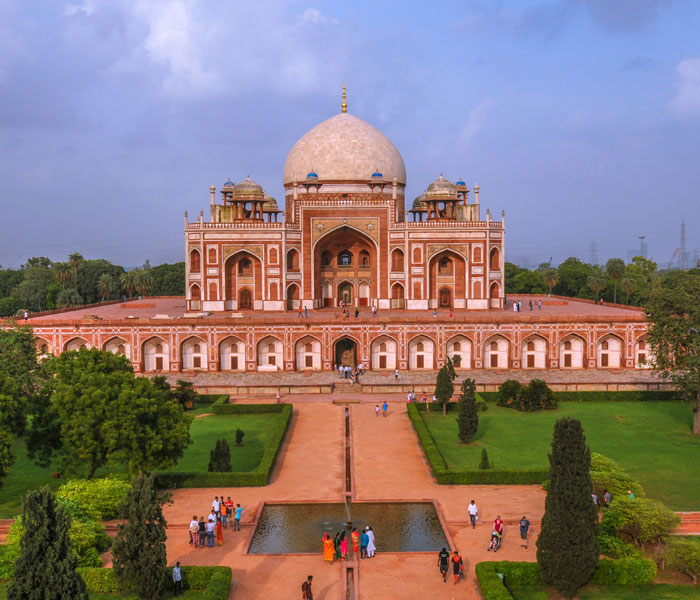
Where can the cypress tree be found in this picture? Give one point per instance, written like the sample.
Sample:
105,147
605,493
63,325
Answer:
45,567
468,417
139,548
567,547
484,464
444,387
220,457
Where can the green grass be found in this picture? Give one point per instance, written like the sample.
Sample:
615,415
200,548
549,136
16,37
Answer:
661,591
206,430
651,440
25,475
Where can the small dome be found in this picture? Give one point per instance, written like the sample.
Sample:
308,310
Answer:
441,187
247,188
377,176
229,183
312,175
419,202
270,204
460,183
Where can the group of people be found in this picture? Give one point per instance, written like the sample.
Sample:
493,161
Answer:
411,398
347,372
497,529
335,548
385,409
518,306
444,561
211,530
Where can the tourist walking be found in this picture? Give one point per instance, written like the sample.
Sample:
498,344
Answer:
524,530
413,396
376,411
229,502
336,544
224,515
444,563
385,408
300,314
306,593
357,312
371,547
194,531
306,312
473,513
530,303
202,532
457,566
220,533
539,304
498,525
340,370
364,540
607,499
216,505
396,373
355,539
177,579
328,548
237,519
343,545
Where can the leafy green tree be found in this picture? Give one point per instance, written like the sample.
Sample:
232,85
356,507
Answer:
139,548
484,464
69,297
615,269
683,556
97,412
128,282
567,547
185,394
9,278
627,284
643,520
45,568
596,281
444,387
220,458
240,434
529,282
468,417
62,274
75,259
572,278
535,396
550,278
6,456
673,312
510,271
105,285
169,279
90,273
144,282
31,292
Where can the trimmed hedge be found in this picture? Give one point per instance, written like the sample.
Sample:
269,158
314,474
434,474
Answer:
602,396
257,478
623,571
211,583
222,407
205,399
446,476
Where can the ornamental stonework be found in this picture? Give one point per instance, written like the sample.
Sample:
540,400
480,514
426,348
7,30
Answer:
229,250
434,249
368,226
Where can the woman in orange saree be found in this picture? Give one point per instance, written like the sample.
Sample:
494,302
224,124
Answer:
328,548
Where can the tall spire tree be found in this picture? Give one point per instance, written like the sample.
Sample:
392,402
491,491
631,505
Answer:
567,547
45,568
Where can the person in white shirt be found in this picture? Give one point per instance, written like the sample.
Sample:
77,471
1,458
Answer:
473,513
177,579
216,506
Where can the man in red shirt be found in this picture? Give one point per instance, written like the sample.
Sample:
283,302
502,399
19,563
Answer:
498,525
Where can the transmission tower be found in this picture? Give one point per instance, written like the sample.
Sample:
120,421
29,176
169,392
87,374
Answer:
593,253
683,254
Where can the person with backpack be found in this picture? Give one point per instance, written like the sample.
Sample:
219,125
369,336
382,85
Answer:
306,593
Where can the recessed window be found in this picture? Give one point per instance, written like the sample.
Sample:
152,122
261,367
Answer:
345,258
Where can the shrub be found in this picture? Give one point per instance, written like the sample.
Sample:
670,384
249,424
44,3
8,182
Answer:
240,434
609,475
104,495
643,520
535,396
613,547
508,392
484,464
625,571
221,407
89,539
468,418
684,556
220,458
185,394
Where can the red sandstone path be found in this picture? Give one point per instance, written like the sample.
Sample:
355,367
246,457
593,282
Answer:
388,464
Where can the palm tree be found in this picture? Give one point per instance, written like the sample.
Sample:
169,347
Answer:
596,281
105,285
75,259
627,284
615,268
550,279
62,274
128,281
144,282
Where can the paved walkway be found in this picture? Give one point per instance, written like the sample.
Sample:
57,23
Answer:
388,464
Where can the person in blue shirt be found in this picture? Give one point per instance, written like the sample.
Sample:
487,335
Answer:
385,408
364,540
237,519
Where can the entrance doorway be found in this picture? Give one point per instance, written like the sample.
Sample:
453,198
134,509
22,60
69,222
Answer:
346,352
245,299
345,293
445,297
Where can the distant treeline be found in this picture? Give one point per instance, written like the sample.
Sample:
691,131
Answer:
41,284
613,282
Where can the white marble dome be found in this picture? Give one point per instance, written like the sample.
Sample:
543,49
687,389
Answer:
344,148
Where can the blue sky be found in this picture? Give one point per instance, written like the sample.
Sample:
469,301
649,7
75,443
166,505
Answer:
579,118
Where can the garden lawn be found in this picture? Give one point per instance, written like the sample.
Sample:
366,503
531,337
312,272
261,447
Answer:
602,592
206,430
651,440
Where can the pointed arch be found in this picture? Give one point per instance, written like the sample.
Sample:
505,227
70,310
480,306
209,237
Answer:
397,260
232,354
270,354
421,352
643,356
75,344
308,354
460,346
195,261
118,345
496,352
156,354
609,351
572,352
384,350
533,350
194,354
495,259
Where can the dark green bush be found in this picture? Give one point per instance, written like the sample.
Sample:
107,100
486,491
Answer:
683,555
221,407
609,475
492,588
484,463
220,458
613,547
508,392
205,399
103,495
432,452
625,571
642,520
535,396
604,396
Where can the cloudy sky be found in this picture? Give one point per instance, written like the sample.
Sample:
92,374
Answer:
580,118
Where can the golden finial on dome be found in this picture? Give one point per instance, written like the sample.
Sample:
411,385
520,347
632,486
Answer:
344,105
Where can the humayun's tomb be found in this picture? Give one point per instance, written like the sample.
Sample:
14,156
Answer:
434,273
